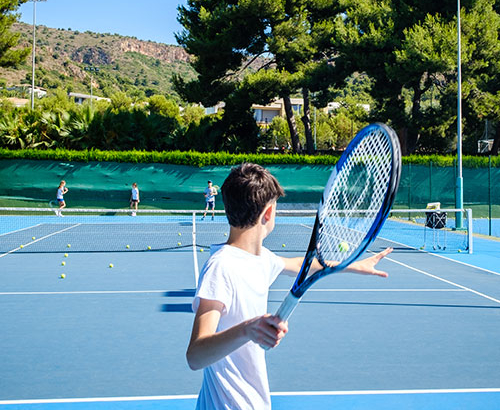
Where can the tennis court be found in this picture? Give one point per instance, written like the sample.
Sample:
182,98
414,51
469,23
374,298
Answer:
115,337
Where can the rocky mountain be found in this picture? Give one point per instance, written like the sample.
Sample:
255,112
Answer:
64,56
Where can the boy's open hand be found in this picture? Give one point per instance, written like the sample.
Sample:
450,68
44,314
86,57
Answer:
367,266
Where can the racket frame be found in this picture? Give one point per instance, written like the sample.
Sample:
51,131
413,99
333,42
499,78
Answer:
302,282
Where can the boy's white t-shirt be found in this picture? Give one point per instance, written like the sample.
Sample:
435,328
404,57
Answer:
241,281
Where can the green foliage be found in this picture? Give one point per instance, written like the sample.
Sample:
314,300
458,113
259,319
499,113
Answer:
193,158
10,55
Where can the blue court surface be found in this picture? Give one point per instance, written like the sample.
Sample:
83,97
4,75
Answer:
115,337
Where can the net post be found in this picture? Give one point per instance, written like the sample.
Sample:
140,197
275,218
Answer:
195,255
469,229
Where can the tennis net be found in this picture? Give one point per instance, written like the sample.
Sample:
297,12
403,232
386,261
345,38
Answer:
33,230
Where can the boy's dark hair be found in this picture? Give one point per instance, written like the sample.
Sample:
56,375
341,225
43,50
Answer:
245,193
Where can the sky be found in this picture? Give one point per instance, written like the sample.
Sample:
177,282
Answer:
154,20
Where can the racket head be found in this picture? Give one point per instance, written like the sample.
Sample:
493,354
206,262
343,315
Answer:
356,201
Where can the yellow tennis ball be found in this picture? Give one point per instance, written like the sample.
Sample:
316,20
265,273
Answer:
149,248
33,237
21,246
63,263
65,255
225,233
128,246
343,246
179,234
68,245
111,265
179,244
460,251
201,250
62,276
283,245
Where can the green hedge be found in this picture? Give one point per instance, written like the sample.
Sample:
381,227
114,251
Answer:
199,159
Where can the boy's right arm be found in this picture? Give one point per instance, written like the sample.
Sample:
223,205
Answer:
208,346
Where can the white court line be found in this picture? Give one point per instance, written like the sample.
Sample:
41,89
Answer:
111,292
39,239
297,393
19,230
444,280
439,256
373,290
83,292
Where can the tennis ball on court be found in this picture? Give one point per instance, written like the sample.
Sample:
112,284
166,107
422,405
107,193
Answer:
179,234
343,246
460,251
201,250
63,263
21,246
111,265
283,245
128,246
65,255
68,245
178,244
225,233
62,276
149,248
33,237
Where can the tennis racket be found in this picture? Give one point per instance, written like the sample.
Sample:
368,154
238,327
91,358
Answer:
356,201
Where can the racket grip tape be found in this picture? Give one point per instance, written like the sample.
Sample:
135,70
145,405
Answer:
286,309
287,306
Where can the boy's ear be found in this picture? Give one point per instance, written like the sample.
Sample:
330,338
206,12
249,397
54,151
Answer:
268,212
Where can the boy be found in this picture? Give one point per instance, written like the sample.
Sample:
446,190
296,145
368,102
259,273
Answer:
134,199
209,193
231,323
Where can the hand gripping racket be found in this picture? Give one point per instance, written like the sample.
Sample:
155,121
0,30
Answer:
356,201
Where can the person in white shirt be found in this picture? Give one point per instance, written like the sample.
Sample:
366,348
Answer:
231,324
210,192
61,190
134,199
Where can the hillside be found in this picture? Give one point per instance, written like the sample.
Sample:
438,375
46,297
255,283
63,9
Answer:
139,68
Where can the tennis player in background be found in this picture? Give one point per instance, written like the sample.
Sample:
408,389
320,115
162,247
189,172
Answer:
231,323
61,191
210,193
134,199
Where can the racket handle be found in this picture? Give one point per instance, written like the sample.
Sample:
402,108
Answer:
286,309
287,306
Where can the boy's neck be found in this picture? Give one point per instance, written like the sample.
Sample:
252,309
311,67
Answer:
248,239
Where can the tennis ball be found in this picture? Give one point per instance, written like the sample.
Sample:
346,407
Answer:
343,246
128,246
149,248
111,265
68,245
421,247
33,237
201,250
21,246
62,276
283,245
178,244
179,234
63,263
460,251
65,255
225,233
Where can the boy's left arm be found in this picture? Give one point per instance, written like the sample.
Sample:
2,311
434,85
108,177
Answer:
365,266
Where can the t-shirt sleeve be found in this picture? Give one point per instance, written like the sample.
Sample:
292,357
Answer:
276,265
215,284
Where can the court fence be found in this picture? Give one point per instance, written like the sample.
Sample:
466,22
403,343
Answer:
30,183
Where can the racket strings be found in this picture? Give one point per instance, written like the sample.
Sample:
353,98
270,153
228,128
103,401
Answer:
355,198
